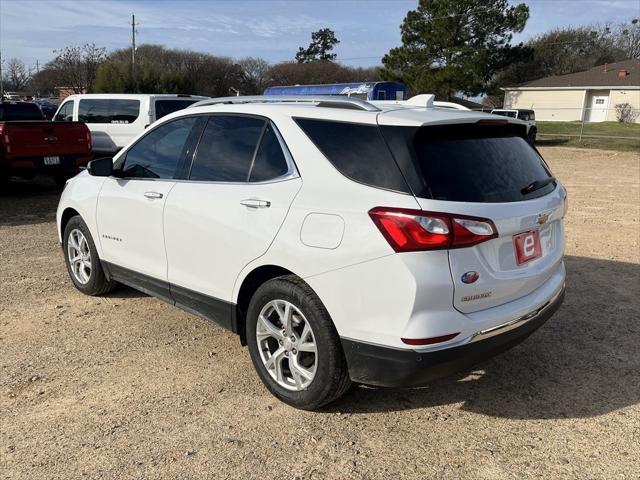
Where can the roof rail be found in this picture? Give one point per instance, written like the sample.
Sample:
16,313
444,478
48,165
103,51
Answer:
334,101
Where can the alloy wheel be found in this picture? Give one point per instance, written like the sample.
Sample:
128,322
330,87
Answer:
287,345
79,256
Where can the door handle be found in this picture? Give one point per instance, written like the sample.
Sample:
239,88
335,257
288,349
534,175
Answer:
255,203
153,194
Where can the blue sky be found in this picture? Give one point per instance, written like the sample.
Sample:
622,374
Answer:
272,29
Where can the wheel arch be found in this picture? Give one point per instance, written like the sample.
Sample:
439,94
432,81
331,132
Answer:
67,215
250,283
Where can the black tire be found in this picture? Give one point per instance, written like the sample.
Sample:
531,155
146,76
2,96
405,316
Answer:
532,136
97,283
331,378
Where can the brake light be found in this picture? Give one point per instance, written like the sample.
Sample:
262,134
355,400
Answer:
7,143
409,230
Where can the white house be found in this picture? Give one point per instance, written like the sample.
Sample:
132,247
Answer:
590,95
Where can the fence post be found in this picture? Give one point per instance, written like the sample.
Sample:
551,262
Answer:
581,129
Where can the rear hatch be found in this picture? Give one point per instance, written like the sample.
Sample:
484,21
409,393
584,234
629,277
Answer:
37,139
487,170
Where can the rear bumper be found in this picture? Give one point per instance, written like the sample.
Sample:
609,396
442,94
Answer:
34,165
390,367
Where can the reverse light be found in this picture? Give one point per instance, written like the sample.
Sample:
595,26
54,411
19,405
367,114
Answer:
409,230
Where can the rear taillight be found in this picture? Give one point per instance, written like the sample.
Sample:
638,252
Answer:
409,230
6,140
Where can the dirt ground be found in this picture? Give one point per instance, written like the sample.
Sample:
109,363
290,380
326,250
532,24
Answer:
126,386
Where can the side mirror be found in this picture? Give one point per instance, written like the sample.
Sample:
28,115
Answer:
101,167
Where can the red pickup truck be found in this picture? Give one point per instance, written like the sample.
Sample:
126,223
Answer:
30,144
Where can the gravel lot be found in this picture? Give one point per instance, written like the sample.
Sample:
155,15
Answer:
125,386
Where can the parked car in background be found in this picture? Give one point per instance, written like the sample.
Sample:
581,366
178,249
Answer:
47,108
30,145
525,115
343,241
115,119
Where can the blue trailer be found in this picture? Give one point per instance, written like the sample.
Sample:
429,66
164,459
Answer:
364,90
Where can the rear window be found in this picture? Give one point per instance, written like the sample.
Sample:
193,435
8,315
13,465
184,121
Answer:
20,111
357,151
471,163
505,114
165,107
108,110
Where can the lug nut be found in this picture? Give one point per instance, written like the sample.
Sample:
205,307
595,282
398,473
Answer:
286,353
293,339
280,342
294,351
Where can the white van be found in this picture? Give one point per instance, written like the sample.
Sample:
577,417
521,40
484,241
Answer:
114,119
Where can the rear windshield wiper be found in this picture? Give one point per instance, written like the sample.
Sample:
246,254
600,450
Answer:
537,185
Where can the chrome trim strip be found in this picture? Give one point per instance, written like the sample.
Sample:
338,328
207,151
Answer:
512,324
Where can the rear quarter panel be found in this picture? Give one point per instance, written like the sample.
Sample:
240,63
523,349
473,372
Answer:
325,191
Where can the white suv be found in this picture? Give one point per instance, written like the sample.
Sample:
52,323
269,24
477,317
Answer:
342,241
114,119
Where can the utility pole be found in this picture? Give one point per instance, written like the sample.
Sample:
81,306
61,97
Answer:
37,66
133,45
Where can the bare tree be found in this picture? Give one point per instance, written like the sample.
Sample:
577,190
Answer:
627,37
291,73
77,66
17,75
257,73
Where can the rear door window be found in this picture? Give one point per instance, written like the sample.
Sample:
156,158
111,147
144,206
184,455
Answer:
227,148
471,163
358,151
167,106
108,110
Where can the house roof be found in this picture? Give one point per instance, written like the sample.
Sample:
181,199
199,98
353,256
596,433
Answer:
601,76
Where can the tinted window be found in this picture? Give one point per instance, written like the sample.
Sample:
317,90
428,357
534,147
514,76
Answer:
66,112
505,114
357,151
107,110
270,161
471,163
523,116
158,153
20,111
226,149
165,107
